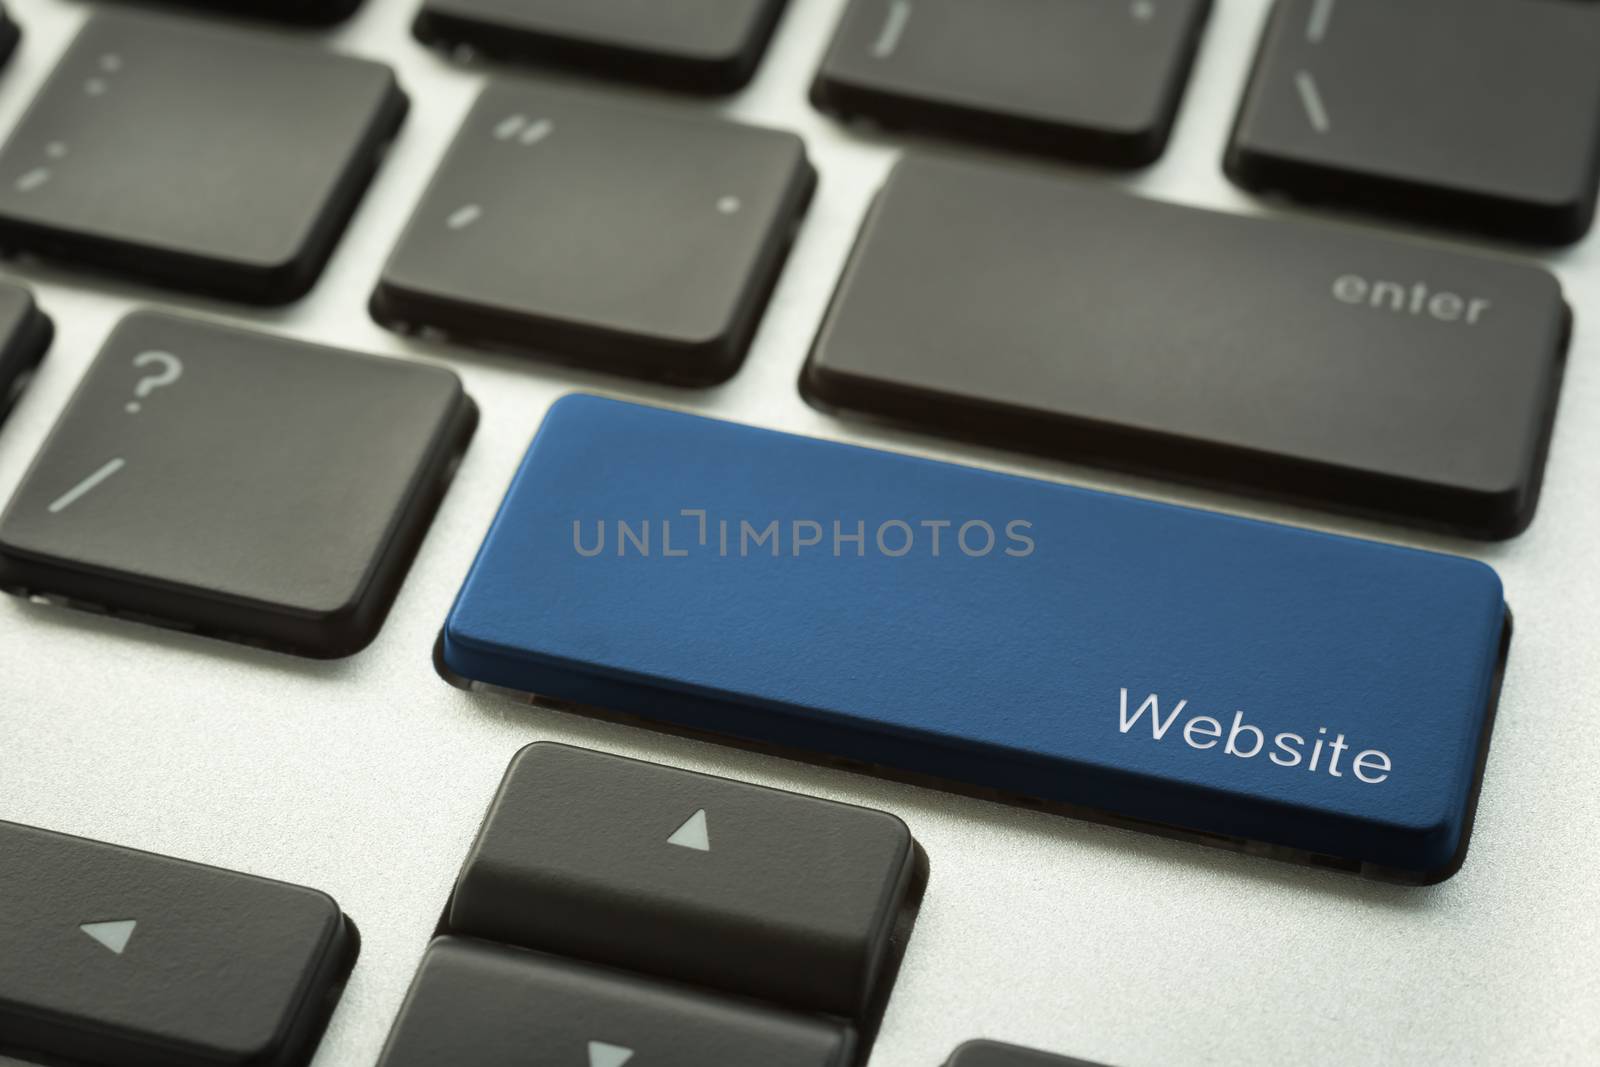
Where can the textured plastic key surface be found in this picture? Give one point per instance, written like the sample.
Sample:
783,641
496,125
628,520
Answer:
1012,659
1481,116
247,486
716,883
1099,82
641,239
1323,364
181,153
994,1054
312,12
25,335
115,958
490,1006
711,46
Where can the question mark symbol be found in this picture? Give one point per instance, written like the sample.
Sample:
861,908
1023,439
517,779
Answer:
171,370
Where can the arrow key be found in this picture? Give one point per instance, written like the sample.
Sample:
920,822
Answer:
716,883
115,958
482,1005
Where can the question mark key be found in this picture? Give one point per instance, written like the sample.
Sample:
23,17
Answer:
267,490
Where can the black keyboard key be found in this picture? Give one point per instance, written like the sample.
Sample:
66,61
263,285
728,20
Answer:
10,34
1323,364
115,958
246,486
994,1054
622,237
182,154
479,1005
707,46
1483,116
312,12
695,878
25,334
1097,81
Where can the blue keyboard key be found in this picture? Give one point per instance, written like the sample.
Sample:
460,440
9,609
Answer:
1314,697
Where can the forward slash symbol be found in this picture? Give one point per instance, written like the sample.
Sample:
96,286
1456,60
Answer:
77,492
1312,99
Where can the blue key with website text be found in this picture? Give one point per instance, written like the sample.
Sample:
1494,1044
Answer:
1319,698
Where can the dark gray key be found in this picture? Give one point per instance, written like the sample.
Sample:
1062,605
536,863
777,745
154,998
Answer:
1323,364
246,486
480,1005
1098,81
115,958
313,12
708,46
178,153
708,881
994,1054
1483,116
618,236
10,34
25,334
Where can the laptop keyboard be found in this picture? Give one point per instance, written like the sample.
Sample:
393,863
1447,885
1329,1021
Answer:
842,757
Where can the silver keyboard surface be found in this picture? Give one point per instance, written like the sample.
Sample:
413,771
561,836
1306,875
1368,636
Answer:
368,777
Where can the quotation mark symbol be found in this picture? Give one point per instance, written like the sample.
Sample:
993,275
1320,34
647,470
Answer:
464,216
524,131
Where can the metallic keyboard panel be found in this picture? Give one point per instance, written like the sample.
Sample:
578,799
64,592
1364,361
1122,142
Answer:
368,777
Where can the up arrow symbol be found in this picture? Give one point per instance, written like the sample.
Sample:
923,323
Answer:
113,935
693,833
604,1055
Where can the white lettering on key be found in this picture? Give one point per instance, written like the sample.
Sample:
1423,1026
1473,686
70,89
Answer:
171,370
1152,704
1417,299
33,179
77,492
464,216
1311,98
509,127
1321,15
1243,740
894,28
537,132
